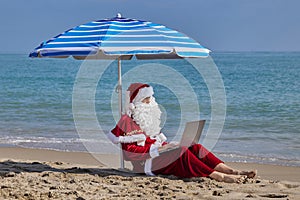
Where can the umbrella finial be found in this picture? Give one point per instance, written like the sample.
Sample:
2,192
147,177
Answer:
119,15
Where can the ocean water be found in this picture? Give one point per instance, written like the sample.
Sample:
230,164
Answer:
262,122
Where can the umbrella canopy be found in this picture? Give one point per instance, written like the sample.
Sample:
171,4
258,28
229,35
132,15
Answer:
112,38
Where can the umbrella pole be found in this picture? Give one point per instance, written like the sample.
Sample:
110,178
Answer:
120,106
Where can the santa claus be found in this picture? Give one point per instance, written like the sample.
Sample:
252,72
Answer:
144,145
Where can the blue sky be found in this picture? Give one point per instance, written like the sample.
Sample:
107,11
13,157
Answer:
220,25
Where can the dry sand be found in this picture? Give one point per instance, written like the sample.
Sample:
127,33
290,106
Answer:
46,174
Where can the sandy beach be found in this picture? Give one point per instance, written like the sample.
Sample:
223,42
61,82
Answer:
47,174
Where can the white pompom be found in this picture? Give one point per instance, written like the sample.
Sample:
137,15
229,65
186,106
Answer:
131,106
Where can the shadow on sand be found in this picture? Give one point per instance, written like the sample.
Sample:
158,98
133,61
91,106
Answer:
10,168
7,168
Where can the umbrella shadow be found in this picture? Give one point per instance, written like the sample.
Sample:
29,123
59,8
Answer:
10,168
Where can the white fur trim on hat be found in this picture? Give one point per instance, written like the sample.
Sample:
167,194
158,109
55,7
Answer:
142,94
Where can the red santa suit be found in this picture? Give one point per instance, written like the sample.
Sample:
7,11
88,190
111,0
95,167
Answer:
183,162
141,140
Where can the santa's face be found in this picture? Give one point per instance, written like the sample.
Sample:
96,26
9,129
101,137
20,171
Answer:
147,100
147,115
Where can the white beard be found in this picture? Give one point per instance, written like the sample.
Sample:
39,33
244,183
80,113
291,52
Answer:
147,116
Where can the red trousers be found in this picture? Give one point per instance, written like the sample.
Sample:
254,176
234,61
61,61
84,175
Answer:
195,161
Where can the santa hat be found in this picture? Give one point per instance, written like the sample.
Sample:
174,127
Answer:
136,93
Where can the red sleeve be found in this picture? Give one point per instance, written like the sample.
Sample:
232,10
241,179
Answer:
134,152
126,126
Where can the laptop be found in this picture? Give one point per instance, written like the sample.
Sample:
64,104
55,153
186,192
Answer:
191,135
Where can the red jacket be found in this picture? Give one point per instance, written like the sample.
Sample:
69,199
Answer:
132,151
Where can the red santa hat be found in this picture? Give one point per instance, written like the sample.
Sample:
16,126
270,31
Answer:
137,92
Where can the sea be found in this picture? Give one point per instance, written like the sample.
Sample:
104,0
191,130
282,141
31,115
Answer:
250,101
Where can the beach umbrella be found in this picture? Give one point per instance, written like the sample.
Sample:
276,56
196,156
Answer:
120,38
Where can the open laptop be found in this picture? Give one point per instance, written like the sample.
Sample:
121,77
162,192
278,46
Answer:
191,135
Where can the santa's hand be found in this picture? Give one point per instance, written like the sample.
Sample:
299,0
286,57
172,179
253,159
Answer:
174,142
132,138
168,146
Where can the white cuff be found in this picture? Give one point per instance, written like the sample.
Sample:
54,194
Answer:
162,137
132,138
112,138
153,151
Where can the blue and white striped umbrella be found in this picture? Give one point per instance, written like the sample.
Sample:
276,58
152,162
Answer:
112,38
